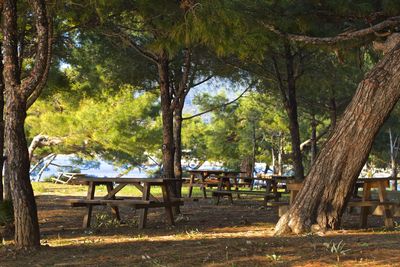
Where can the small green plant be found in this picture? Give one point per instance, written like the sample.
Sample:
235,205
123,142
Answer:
6,213
337,249
104,220
192,233
274,257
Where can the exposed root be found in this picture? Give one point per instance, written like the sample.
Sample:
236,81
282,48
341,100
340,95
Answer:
292,223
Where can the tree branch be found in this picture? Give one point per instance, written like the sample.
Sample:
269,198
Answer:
346,36
39,88
308,141
202,81
218,107
42,28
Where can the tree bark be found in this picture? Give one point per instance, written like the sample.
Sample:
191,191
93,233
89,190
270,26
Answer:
1,126
332,112
291,109
178,151
329,184
313,150
167,121
25,212
17,92
393,158
288,92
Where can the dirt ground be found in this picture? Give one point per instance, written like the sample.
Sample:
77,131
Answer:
206,235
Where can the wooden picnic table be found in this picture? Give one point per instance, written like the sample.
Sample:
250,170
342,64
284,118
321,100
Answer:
366,201
228,186
204,178
115,185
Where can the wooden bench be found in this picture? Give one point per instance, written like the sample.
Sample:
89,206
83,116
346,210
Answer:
143,203
221,193
370,203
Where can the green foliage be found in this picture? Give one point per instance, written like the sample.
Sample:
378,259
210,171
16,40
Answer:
6,213
118,127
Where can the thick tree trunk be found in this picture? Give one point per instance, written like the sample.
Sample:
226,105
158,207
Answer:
1,126
25,212
178,143
6,178
16,93
329,184
290,103
167,119
295,141
167,122
178,151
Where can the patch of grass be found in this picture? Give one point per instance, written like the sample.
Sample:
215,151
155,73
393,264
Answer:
274,257
337,249
45,188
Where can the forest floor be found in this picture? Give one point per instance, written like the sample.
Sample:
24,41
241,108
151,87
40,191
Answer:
206,235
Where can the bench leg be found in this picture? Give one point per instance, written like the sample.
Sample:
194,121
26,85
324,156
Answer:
143,212
114,209
191,185
168,207
89,208
365,210
387,213
203,181
216,197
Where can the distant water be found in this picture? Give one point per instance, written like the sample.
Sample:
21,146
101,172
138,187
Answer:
101,168
97,168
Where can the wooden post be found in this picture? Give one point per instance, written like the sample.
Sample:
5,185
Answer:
191,185
387,213
89,207
203,182
168,204
143,212
365,210
114,209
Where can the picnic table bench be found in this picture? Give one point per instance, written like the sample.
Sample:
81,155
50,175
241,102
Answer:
207,179
115,185
365,202
227,188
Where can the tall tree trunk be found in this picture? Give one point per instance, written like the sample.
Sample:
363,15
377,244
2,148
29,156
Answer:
27,233
328,186
6,178
254,150
1,126
167,121
288,93
280,153
178,151
393,158
332,113
313,150
25,212
274,168
291,109
178,141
